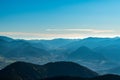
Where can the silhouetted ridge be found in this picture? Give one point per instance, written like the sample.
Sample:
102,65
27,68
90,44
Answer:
69,68
65,78
28,71
107,77
20,70
104,77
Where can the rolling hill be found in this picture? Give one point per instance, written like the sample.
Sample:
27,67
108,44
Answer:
28,71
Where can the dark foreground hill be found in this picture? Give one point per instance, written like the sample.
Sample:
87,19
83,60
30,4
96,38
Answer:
105,77
28,71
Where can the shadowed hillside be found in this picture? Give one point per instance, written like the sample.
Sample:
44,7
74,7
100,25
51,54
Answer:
28,71
105,77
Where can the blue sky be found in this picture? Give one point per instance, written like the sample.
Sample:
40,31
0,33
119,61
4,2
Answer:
31,19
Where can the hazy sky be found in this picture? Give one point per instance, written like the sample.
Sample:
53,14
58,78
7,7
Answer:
59,18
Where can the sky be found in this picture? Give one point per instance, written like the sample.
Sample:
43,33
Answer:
46,19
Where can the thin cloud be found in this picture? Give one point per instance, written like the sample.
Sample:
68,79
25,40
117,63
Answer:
40,35
83,30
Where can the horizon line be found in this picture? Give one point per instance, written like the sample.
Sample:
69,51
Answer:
58,37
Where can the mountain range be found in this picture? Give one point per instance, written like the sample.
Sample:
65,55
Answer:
98,54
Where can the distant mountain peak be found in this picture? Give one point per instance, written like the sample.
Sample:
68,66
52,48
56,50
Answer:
84,49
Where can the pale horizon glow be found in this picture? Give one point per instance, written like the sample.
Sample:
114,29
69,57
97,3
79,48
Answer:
49,36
